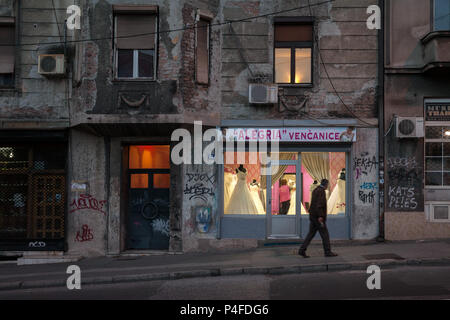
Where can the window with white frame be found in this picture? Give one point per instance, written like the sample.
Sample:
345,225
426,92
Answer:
135,45
439,212
437,144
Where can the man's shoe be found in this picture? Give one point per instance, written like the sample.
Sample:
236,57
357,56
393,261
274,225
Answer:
302,253
330,254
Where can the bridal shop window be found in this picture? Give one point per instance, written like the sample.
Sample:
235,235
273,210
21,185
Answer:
243,192
325,165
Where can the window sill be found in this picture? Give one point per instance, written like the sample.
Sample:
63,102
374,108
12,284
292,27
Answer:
287,85
135,80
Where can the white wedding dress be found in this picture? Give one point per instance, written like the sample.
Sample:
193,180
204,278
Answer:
254,191
230,180
241,200
336,203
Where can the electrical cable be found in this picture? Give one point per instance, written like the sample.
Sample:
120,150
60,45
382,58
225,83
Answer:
331,82
187,27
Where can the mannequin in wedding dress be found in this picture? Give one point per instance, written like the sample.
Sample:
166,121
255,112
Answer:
241,200
230,180
336,202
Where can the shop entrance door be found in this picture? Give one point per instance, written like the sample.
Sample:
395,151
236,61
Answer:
148,226
284,199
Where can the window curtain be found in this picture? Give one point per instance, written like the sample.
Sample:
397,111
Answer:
317,164
279,170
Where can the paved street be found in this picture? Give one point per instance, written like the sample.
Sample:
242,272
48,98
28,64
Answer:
398,283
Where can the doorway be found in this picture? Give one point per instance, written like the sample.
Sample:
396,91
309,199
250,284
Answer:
148,220
294,178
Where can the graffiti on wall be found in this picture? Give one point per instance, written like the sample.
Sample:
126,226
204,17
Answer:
405,178
87,202
365,166
85,234
200,186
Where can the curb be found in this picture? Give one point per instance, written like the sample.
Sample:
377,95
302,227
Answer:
292,269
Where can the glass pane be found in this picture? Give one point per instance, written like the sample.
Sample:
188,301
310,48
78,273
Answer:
149,157
161,181
7,80
446,133
433,178
139,181
284,191
441,15
446,149
440,212
13,209
13,158
433,133
446,178
303,65
331,166
146,63
48,157
433,149
125,63
433,164
244,186
447,164
282,65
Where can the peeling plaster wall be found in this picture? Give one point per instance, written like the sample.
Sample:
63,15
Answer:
406,88
175,89
348,49
87,210
36,97
365,166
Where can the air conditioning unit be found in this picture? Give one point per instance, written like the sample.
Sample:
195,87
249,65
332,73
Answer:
409,127
51,64
260,93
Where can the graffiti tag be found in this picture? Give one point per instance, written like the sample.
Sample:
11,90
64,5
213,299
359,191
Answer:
86,234
87,202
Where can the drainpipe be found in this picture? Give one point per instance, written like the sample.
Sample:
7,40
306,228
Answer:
381,151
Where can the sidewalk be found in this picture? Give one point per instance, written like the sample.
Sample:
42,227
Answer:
267,260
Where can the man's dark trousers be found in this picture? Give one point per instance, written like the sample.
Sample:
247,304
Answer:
314,226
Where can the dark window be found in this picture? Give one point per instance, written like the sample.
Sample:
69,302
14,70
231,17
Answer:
135,44
202,52
32,191
293,53
7,41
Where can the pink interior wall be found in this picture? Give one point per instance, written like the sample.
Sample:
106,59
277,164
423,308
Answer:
307,182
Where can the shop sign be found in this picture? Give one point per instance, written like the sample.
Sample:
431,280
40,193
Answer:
292,134
437,112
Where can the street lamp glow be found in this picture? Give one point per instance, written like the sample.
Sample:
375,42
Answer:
447,133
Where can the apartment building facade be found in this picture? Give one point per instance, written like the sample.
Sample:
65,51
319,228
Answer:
92,172
416,120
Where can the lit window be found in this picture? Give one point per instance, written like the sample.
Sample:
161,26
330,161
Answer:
293,53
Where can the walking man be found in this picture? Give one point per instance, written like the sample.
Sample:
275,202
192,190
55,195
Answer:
317,221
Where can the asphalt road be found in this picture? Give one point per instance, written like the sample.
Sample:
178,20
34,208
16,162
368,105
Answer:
398,283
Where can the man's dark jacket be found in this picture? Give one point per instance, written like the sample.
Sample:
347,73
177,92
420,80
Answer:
318,207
